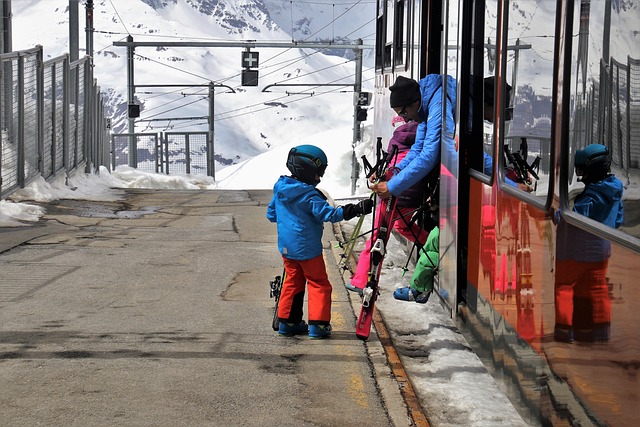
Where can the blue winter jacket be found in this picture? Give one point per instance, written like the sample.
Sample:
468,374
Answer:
425,152
300,210
602,202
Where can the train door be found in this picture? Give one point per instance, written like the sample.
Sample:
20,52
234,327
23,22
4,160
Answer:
450,222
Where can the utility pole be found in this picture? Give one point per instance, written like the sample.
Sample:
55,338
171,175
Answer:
89,29
212,164
89,129
74,44
7,68
131,94
357,134
5,25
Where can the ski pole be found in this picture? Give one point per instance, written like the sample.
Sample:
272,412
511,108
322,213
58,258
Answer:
350,244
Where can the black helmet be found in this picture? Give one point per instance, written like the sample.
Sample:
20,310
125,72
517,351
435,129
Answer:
306,162
592,163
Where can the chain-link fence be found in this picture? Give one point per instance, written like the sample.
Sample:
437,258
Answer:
51,118
166,152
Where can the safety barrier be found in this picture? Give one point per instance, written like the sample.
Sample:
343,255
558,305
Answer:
51,118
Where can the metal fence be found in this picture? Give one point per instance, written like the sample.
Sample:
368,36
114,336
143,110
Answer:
165,152
51,118
613,105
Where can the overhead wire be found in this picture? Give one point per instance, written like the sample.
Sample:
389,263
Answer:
219,118
333,21
288,63
119,17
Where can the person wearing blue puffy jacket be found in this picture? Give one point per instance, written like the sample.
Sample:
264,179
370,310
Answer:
422,102
299,209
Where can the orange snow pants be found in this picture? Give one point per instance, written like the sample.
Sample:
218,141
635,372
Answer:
583,305
313,274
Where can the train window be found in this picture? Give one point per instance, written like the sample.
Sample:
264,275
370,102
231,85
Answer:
380,32
529,72
486,39
415,39
400,27
605,99
452,36
388,34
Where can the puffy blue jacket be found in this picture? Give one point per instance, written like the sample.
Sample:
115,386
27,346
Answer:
425,152
300,210
602,202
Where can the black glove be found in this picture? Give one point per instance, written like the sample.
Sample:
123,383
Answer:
363,207
366,206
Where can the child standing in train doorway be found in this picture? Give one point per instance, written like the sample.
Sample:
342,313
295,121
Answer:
583,305
300,209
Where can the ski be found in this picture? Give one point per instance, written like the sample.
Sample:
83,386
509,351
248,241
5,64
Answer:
380,236
275,287
378,251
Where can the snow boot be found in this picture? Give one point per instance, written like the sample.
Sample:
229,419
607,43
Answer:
291,329
319,331
410,294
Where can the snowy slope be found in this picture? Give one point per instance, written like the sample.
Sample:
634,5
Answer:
247,122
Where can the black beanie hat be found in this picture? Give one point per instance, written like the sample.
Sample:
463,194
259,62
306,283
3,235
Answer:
489,87
404,92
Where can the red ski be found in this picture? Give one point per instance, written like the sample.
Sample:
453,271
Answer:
378,251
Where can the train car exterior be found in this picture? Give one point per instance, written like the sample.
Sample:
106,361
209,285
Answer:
546,292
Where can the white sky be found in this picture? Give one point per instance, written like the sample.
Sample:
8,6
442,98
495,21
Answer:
451,382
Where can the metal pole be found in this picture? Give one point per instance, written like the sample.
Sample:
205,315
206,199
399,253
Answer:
89,29
74,43
7,37
89,90
131,94
357,88
7,71
210,151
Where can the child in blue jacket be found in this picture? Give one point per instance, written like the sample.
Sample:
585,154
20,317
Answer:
300,209
583,305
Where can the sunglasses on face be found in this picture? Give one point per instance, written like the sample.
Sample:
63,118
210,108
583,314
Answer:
403,113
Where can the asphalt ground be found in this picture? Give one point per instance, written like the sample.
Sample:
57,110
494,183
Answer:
155,311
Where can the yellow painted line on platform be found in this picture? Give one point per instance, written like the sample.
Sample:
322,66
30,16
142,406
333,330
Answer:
416,413
406,388
355,383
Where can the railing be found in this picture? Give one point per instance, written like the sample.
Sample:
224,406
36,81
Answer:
166,152
51,118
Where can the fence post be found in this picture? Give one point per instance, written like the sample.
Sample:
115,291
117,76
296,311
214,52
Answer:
211,162
66,111
40,109
21,148
187,153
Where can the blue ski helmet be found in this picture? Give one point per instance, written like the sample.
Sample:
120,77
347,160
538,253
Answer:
592,163
306,162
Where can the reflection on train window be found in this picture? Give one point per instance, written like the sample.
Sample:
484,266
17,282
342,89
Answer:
529,57
605,97
489,41
450,49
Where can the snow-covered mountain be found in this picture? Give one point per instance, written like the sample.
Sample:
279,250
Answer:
247,120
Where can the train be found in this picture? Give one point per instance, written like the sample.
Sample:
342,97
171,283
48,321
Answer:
566,75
